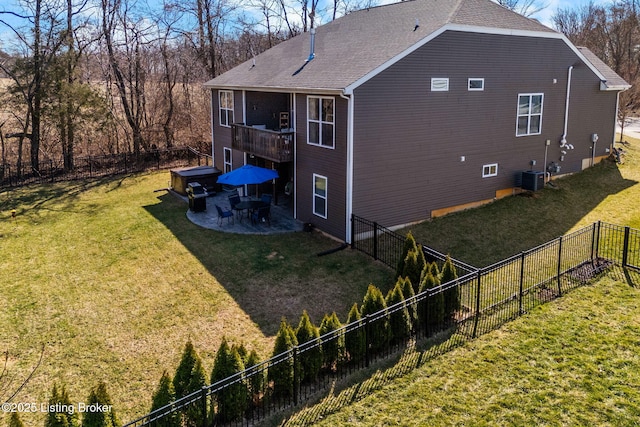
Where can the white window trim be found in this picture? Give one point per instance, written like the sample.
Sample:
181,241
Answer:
439,84
529,115
325,197
321,122
486,170
475,89
230,162
221,109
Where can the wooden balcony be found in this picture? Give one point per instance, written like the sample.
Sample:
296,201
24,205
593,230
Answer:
269,144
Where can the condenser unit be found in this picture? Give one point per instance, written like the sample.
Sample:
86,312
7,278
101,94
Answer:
532,180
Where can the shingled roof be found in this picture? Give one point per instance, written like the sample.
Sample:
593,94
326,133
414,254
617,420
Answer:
359,44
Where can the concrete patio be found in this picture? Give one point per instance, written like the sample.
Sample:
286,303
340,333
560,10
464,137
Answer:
281,219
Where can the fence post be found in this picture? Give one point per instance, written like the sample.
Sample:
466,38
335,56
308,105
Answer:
522,258
595,241
625,246
353,231
203,398
375,241
475,323
559,266
51,169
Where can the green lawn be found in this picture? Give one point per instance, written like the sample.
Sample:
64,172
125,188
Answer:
607,192
113,279
575,361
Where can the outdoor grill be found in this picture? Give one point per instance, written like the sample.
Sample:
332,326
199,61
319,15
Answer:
197,197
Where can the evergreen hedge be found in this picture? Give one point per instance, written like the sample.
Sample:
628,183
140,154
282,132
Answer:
355,341
310,359
399,321
333,349
231,402
378,333
282,374
96,414
163,396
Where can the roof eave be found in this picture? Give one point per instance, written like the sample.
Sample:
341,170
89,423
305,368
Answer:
276,89
613,88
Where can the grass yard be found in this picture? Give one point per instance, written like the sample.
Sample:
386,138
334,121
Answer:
575,361
113,279
607,192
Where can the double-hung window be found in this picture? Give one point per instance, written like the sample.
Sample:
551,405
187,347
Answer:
226,108
320,195
228,167
321,121
529,120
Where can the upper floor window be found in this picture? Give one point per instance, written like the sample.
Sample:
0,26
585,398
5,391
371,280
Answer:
226,108
321,121
529,114
439,84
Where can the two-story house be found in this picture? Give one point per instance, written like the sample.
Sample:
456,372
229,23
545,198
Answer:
403,112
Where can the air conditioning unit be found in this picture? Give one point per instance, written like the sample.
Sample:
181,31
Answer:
532,180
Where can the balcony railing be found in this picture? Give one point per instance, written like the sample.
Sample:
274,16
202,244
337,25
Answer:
269,144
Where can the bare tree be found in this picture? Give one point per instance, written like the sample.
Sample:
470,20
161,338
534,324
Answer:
612,32
523,7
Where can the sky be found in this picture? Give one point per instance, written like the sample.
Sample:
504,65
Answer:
545,16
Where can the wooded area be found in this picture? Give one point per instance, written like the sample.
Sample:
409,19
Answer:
95,77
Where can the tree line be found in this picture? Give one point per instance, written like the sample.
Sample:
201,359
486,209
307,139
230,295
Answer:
92,77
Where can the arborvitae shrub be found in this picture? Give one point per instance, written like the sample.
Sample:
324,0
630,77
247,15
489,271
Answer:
190,377
412,268
232,400
99,398
399,322
66,418
409,244
452,295
15,421
242,352
311,358
282,374
184,371
407,291
162,397
333,347
355,341
431,310
378,330
255,379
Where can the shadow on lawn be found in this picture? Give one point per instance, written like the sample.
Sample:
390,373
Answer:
506,227
275,276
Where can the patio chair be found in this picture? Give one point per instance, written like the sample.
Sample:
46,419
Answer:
234,200
266,198
262,214
224,214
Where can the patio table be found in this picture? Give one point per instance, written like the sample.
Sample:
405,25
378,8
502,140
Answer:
250,206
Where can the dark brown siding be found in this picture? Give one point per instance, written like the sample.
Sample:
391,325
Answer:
222,134
408,141
322,161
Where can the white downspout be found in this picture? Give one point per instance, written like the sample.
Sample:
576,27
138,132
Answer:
349,202
213,139
563,140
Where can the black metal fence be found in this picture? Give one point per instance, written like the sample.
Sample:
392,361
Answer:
386,245
103,165
488,297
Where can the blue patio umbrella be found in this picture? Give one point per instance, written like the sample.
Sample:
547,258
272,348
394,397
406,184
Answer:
247,174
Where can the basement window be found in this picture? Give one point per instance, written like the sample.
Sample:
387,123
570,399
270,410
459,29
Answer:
490,170
476,84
